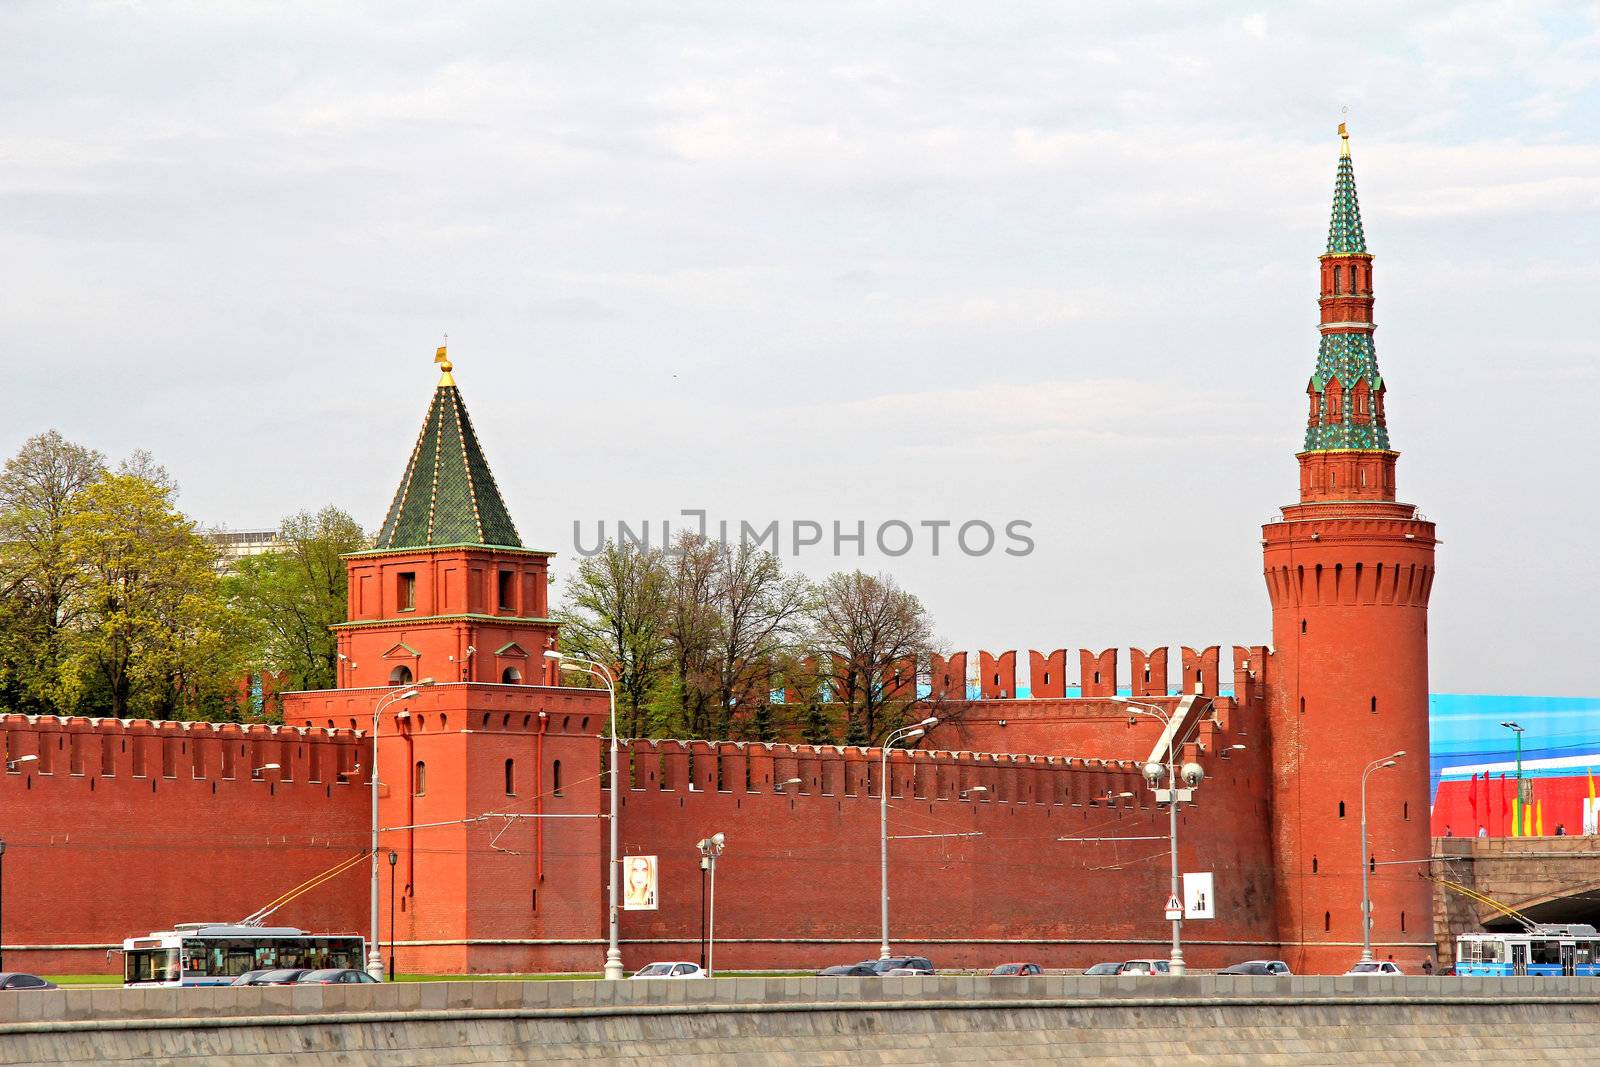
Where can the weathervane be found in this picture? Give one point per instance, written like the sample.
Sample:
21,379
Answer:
440,357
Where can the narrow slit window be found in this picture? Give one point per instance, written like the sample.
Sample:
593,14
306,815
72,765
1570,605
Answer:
406,591
419,779
555,778
511,777
506,582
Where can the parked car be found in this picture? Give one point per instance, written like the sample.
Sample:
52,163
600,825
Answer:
864,969
919,964
906,972
282,976
1017,970
18,980
669,970
1375,967
1272,968
1105,969
1146,967
336,976
251,977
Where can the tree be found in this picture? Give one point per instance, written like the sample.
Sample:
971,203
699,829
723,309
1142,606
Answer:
871,635
294,594
757,611
616,613
693,628
152,630
38,487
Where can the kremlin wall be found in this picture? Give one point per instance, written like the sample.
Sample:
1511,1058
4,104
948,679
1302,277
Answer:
491,778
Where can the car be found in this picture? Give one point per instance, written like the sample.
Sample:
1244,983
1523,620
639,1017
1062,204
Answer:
919,964
336,976
675,969
251,977
1372,968
906,972
1016,970
1105,969
1271,968
1147,967
281,976
18,980
865,969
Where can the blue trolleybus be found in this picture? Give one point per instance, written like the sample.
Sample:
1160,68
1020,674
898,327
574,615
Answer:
1545,949
217,953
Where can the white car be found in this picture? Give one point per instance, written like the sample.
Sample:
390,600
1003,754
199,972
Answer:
1146,967
1375,967
669,970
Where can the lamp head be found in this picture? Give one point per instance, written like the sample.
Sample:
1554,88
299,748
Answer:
1193,774
1388,763
909,734
718,840
931,720
1152,774
425,683
394,857
552,654
408,694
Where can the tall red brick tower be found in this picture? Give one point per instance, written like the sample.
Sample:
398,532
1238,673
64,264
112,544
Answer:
1349,570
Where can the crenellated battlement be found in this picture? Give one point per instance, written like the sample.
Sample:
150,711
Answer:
844,771
49,746
1099,673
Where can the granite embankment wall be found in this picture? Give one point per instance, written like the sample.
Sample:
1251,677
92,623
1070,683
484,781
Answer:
818,1021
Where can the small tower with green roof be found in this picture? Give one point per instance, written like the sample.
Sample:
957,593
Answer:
448,591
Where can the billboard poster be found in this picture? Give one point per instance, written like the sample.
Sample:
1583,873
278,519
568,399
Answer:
640,888
1199,897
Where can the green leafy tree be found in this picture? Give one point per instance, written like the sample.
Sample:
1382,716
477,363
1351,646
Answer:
289,597
38,584
152,631
871,634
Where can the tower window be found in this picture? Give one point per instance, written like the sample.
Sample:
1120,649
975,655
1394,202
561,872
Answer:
1302,705
406,591
1341,809
401,675
1374,705
511,777
1327,921
510,676
1402,922
1302,626
1338,278
555,778
1313,865
419,779
1405,811
506,583
1046,677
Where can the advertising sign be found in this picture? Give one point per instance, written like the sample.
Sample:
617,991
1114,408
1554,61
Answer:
640,888
1199,897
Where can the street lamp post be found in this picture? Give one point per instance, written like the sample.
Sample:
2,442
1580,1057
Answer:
375,949
394,860
1175,795
1521,800
905,733
613,969
1366,862
710,848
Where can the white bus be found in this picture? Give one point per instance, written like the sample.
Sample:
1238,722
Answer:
217,953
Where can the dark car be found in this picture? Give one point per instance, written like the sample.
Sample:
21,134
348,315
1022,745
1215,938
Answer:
1017,970
336,976
1270,968
1105,968
18,980
854,970
281,976
911,963
251,977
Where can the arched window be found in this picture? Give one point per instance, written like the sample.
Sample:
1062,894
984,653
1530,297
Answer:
1374,705
1327,920
510,676
401,675
555,778
511,777
1341,809
1405,811
419,779
1313,865
1338,278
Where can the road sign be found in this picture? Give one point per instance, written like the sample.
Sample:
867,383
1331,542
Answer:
1174,908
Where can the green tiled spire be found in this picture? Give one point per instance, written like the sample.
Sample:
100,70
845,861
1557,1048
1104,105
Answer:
1344,229
448,495
1349,358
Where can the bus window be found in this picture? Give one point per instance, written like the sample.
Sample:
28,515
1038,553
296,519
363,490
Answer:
1583,952
1545,952
152,965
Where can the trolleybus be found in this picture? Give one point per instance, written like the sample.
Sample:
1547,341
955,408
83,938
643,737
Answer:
1544,949
217,953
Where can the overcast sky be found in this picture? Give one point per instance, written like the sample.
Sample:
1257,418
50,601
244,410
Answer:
848,262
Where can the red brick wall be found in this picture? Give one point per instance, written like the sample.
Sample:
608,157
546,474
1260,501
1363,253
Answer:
120,829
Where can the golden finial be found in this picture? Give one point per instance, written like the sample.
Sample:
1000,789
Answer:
1344,140
445,365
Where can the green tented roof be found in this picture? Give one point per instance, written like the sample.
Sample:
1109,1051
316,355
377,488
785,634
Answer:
448,495
1344,229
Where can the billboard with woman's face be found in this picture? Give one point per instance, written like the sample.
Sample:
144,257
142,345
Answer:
639,885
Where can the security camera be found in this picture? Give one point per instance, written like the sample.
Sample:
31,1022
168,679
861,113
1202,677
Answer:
1193,774
1153,773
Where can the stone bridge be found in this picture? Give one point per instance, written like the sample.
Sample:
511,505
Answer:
1549,879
